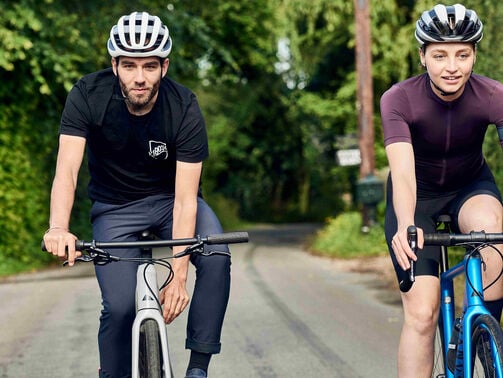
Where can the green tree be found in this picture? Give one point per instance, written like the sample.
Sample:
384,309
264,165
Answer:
37,63
275,80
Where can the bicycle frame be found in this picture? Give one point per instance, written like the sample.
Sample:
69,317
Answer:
147,307
476,317
147,290
473,307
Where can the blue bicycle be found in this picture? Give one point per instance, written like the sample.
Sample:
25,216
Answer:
470,345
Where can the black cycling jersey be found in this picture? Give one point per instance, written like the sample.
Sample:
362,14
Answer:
132,157
447,137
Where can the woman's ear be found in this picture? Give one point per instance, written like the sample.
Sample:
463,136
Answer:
422,58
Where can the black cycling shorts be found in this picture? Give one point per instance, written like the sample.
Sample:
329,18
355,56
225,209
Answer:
428,208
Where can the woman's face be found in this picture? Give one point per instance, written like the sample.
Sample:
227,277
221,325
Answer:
449,66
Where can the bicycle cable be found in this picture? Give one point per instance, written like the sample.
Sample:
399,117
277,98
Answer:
153,261
102,257
475,249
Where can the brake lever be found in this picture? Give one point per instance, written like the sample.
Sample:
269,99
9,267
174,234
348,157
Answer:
98,256
407,282
83,258
196,248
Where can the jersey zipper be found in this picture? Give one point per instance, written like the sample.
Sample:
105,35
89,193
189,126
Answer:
447,145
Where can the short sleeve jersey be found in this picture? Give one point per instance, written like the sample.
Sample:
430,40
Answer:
447,137
132,157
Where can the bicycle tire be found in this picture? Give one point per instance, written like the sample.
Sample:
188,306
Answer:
486,327
439,364
150,353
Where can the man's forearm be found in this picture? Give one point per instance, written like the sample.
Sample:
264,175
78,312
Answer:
62,199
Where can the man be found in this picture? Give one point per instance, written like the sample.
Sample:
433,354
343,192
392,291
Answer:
146,140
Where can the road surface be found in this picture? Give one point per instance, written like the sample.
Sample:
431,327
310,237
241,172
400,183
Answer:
291,314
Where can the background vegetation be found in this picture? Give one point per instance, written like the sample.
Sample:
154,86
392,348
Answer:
275,79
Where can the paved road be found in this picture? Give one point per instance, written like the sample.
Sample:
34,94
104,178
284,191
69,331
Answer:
291,314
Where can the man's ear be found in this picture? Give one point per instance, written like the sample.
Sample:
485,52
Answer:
114,62
165,66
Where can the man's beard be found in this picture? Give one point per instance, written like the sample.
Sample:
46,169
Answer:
136,105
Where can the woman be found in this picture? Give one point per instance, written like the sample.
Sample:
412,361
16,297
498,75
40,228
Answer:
434,126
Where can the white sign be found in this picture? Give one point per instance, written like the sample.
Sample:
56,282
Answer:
349,157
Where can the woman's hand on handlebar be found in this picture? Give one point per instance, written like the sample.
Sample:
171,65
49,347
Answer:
401,247
61,243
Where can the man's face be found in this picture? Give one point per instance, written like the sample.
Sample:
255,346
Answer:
139,79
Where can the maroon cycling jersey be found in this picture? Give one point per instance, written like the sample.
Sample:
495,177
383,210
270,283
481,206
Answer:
447,137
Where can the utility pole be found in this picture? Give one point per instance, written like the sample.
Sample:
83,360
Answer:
365,98
368,187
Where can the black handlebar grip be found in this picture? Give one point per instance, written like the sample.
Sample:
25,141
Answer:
79,245
228,238
439,238
407,281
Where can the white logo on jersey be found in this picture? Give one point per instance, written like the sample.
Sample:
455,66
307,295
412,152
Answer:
158,150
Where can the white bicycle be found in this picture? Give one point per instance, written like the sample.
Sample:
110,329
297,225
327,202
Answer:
150,350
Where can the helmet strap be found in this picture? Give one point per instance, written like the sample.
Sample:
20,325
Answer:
442,92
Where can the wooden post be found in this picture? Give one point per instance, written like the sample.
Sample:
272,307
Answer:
365,96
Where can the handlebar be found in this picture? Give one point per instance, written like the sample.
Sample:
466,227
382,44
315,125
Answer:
477,237
93,251
224,238
446,240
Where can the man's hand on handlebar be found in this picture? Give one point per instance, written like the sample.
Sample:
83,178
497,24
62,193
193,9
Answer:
61,243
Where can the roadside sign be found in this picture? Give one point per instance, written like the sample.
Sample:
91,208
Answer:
348,157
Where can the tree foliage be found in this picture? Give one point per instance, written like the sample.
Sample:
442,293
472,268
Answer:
275,79
37,62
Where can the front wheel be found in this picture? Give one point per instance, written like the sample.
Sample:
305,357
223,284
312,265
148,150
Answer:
487,344
439,365
150,350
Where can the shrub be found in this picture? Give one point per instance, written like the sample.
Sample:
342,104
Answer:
342,237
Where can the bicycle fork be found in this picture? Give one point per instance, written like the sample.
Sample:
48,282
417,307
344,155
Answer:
147,305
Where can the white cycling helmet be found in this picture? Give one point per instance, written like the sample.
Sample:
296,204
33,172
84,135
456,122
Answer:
139,35
453,23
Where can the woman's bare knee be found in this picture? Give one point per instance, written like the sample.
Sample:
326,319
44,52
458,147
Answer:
421,305
481,212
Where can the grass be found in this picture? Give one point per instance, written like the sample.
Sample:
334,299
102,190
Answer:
10,266
342,237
